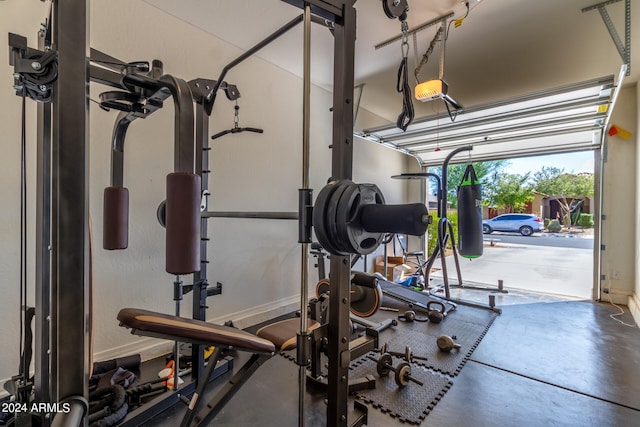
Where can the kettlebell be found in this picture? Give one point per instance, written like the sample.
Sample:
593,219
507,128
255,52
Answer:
436,315
446,343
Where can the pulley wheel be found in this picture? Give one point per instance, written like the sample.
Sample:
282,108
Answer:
395,8
46,75
161,213
121,101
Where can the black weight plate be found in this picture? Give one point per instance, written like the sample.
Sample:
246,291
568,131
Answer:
365,301
403,372
364,242
344,206
322,287
331,218
394,10
319,217
384,364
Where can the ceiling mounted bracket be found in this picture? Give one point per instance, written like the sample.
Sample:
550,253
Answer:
623,49
412,31
395,9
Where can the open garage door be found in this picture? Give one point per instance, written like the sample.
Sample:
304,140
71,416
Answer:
561,120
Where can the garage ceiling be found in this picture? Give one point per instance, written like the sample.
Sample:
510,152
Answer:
499,65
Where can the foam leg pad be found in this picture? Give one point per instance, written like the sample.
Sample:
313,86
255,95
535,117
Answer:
183,223
115,227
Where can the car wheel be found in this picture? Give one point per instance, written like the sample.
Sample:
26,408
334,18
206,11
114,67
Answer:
526,230
486,229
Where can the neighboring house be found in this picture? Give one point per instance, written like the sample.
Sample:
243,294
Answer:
533,207
551,207
541,205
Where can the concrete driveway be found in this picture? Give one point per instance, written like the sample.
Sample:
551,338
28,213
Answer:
545,269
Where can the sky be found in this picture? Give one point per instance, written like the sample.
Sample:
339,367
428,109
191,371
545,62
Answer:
582,161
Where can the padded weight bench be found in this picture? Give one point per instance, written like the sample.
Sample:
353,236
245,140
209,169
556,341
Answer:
275,337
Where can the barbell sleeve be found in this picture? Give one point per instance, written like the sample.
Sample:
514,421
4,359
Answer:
411,219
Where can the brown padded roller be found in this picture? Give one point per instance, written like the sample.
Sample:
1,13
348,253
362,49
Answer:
183,223
115,227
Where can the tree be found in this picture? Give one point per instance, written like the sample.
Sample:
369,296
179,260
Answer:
566,187
455,173
508,191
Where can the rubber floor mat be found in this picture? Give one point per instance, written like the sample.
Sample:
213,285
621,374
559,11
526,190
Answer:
422,340
410,404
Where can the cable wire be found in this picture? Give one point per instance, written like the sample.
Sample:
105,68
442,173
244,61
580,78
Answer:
23,232
620,313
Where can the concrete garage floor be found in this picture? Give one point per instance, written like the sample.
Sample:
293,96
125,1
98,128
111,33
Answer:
563,363
543,269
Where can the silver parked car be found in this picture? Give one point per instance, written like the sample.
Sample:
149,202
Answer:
525,224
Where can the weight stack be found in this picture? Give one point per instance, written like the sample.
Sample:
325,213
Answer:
470,244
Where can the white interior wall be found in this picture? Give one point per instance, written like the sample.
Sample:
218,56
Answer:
619,203
258,261
634,300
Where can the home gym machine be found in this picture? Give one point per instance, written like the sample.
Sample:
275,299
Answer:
63,223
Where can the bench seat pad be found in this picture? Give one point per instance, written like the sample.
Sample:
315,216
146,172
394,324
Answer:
284,334
145,322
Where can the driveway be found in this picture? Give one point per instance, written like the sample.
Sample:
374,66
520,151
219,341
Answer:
568,240
545,269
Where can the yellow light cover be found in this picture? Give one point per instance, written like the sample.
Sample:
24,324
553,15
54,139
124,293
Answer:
430,89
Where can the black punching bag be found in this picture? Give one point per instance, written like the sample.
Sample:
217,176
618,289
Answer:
470,215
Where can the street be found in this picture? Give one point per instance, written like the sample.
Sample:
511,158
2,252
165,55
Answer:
566,240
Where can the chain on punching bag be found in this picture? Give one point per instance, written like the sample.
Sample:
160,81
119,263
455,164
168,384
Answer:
470,215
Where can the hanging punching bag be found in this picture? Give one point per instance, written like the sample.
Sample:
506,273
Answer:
470,215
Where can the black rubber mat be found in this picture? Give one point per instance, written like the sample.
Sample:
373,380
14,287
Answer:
422,340
410,404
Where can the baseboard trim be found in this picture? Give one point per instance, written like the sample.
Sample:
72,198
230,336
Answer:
634,307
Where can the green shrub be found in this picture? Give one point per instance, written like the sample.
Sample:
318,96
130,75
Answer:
585,220
546,222
432,230
554,226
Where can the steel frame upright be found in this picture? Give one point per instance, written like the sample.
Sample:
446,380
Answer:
69,282
343,14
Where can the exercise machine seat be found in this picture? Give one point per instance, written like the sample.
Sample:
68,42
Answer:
160,325
283,334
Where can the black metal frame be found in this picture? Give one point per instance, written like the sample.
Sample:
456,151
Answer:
63,205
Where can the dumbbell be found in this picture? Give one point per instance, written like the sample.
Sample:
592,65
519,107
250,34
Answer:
402,371
447,343
410,316
407,355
